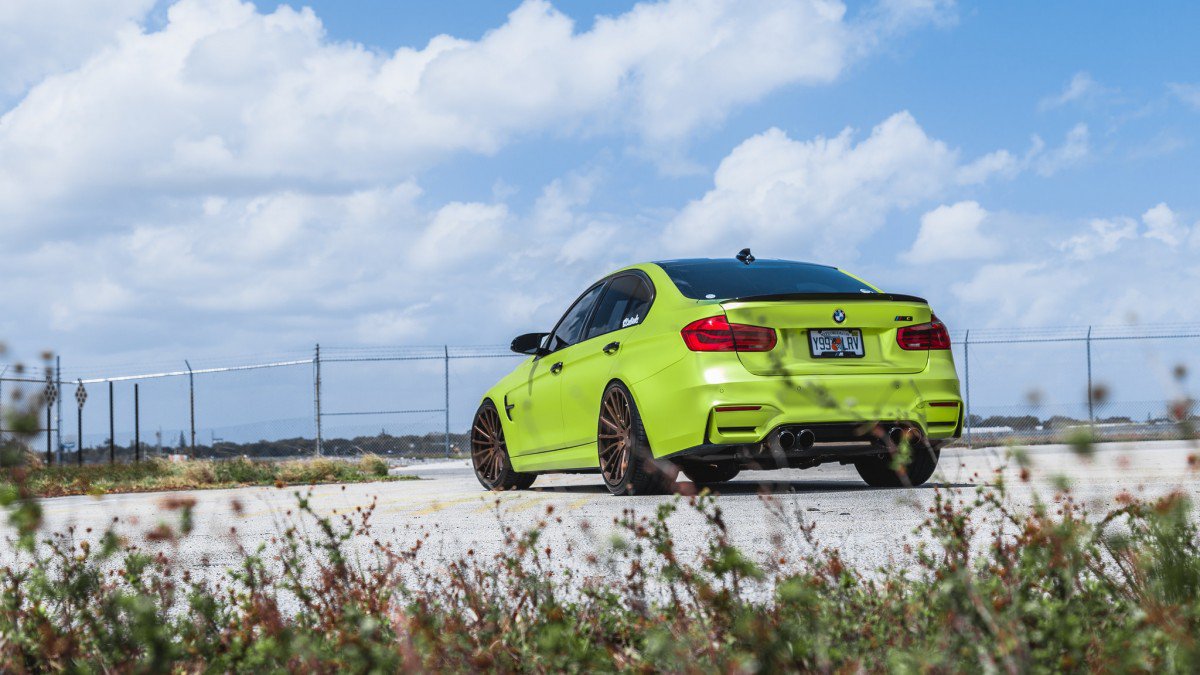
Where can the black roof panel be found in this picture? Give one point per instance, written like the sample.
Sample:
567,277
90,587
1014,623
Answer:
734,262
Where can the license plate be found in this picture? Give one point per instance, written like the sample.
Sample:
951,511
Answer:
842,343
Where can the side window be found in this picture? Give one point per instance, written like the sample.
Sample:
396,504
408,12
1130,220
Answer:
624,304
639,304
570,327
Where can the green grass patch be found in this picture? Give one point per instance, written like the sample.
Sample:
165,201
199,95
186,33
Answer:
158,475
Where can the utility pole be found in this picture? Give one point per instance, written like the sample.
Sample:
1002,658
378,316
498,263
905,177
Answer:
317,395
192,404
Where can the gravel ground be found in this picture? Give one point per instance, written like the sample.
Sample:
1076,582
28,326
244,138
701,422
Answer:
870,526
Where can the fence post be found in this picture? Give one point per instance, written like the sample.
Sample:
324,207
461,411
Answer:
80,397
58,408
2,374
446,383
1091,410
192,404
137,426
317,395
967,368
112,428
49,431
51,395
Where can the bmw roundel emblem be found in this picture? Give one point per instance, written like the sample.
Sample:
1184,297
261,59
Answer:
839,316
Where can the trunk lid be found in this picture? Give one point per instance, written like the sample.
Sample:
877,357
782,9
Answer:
877,316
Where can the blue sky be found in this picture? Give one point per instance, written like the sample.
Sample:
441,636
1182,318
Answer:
976,83
219,179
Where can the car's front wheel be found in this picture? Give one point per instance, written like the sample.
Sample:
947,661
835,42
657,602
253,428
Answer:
879,472
626,461
489,453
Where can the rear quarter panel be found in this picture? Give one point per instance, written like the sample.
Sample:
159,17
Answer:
655,367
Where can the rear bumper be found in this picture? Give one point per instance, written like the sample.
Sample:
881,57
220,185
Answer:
680,405
829,442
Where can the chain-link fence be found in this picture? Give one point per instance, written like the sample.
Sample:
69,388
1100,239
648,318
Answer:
328,402
1128,382
1033,385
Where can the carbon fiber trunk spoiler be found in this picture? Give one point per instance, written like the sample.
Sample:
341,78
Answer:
851,297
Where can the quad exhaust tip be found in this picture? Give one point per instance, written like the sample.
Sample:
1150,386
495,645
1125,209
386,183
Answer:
897,435
805,439
786,439
802,439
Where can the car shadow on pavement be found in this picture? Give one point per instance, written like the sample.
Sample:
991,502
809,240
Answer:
757,487
582,489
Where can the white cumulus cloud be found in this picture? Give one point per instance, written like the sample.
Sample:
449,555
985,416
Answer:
1103,235
818,198
1115,270
44,37
953,232
1163,224
225,97
1020,293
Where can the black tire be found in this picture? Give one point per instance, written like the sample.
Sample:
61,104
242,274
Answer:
711,474
489,453
877,471
626,462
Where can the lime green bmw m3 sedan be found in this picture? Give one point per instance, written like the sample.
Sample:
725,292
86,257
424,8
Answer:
711,367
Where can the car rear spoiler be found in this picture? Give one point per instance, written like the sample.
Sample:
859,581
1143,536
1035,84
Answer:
785,297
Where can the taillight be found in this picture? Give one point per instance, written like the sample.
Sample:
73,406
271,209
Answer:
926,336
716,334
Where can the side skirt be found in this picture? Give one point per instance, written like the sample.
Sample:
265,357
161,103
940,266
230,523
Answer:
567,459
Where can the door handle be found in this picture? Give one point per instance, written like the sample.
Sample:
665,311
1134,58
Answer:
612,347
556,368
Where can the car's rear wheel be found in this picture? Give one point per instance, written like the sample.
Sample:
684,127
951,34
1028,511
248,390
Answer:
878,472
489,453
711,473
626,461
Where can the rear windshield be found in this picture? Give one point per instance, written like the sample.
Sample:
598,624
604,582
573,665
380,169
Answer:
724,279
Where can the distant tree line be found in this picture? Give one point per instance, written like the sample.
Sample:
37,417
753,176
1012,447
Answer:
1028,422
384,444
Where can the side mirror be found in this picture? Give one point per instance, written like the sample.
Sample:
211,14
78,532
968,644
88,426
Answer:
530,343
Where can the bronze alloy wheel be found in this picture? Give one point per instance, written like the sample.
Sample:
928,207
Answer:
615,437
626,462
489,454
